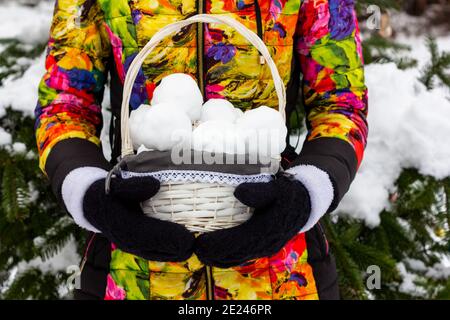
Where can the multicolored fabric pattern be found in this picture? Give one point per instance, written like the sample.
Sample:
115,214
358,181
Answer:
286,275
71,92
85,33
328,43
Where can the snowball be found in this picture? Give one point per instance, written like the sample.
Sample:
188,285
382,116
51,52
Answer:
217,136
263,130
181,89
239,113
136,123
218,109
159,127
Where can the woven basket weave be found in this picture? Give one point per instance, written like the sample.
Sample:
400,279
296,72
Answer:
197,196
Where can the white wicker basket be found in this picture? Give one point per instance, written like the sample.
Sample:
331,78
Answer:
201,200
199,206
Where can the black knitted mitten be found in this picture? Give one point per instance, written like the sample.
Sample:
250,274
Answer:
119,217
282,208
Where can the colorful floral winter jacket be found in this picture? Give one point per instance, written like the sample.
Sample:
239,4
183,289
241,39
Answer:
91,39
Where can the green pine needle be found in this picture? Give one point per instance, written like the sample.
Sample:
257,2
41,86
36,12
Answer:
14,191
437,68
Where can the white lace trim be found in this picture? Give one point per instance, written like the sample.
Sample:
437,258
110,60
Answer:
200,176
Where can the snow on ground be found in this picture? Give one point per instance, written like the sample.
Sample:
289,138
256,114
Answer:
408,127
27,24
21,93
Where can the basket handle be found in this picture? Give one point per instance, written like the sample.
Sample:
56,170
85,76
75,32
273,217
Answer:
127,145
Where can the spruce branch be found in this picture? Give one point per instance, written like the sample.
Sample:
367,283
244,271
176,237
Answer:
377,49
437,68
14,191
350,275
35,284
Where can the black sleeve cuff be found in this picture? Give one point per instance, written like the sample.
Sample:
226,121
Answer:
334,156
70,154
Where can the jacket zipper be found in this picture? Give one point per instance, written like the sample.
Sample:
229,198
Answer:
86,252
200,71
259,29
258,20
201,41
324,238
209,283
200,48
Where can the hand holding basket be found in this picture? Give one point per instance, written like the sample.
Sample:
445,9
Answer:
197,195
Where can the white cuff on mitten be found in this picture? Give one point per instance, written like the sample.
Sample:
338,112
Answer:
320,190
74,187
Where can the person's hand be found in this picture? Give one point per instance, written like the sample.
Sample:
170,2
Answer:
119,217
282,208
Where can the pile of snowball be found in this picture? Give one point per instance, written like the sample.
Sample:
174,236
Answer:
178,116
